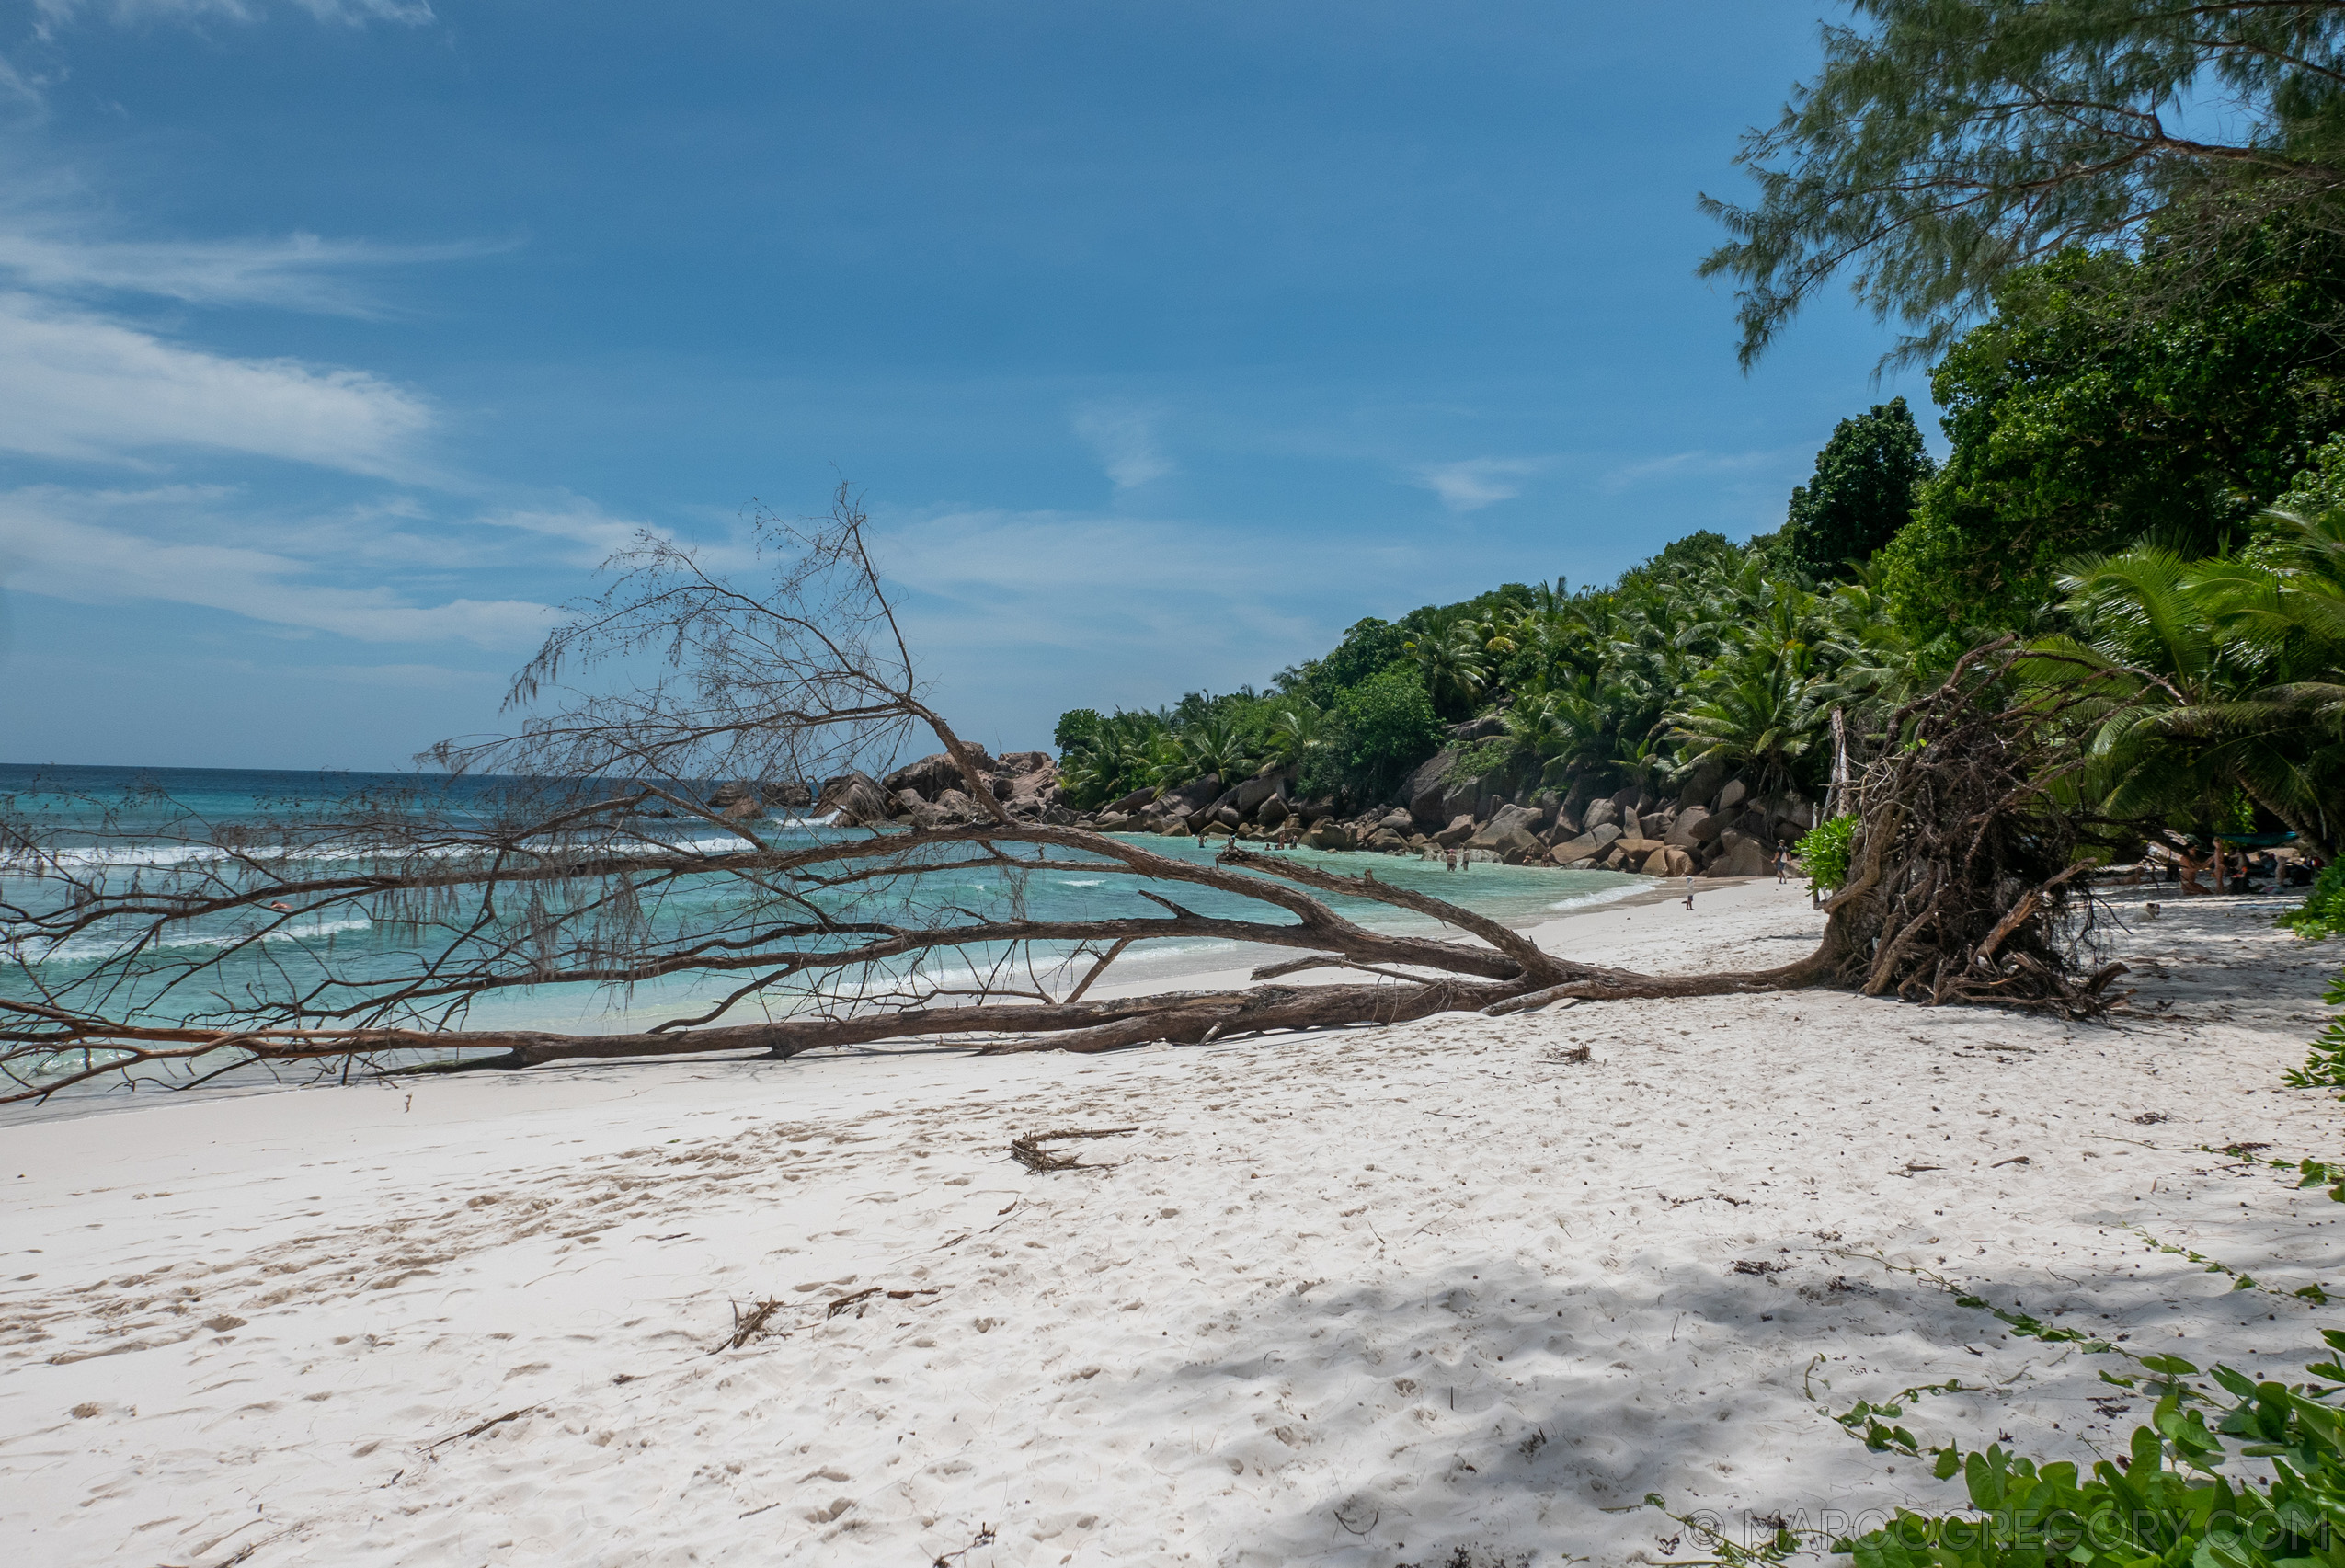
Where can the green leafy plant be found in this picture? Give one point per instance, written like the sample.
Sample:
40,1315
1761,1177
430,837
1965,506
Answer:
1383,726
2324,1066
1480,761
1782,1543
1824,851
2239,1279
2165,1503
2323,911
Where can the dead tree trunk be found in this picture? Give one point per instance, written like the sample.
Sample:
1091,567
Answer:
1962,885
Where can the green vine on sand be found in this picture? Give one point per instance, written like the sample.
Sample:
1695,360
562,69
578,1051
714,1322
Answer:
1727,1552
2020,1323
2316,1173
2239,1281
1863,1419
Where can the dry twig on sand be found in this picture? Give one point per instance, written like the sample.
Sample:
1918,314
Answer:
747,1325
434,1445
1029,1150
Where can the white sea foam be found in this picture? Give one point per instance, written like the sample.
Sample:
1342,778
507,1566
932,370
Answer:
1604,896
82,949
129,856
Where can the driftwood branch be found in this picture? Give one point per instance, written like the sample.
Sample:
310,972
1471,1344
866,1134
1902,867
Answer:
180,952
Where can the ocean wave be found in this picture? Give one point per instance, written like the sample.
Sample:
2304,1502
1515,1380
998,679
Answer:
1605,896
135,856
83,949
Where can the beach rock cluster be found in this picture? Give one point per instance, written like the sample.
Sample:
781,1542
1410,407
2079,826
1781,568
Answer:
1712,826
933,793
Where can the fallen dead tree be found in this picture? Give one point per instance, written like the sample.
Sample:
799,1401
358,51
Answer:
589,856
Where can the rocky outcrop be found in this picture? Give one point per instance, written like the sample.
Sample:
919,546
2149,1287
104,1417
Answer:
854,798
1488,727
1739,856
1698,787
788,797
933,775
958,809
1668,861
1508,835
1250,796
1587,846
1507,823
1328,834
1132,802
1428,785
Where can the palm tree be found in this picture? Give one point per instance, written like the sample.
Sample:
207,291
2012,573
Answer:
1297,728
1756,710
2215,675
2165,666
1216,744
1451,657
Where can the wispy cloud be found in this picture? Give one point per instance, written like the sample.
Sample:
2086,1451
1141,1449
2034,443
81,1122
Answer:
1124,436
596,533
1478,482
1694,464
354,12
91,548
78,385
41,253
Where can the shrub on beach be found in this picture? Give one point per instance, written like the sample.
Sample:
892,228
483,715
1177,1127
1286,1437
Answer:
1824,851
2323,911
2325,1065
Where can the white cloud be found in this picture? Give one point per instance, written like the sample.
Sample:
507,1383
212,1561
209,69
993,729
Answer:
599,535
1124,437
295,273
354,12
67,546
75,384
1478,482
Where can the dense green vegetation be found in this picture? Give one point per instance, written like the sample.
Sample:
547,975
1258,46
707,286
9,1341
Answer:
2082,420
1703,654
2157,512
1862,493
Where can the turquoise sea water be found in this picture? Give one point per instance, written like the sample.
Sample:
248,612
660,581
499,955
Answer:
164,823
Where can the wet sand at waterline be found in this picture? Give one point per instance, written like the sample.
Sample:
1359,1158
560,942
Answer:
1360,1297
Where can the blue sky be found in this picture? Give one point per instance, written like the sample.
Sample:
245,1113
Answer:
340,338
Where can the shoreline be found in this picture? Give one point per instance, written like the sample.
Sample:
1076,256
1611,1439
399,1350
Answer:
1360,1297
1215,962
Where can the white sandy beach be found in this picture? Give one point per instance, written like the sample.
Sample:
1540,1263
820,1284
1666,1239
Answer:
1364,1298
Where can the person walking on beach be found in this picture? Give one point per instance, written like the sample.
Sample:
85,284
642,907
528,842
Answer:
1689,889
1782,862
